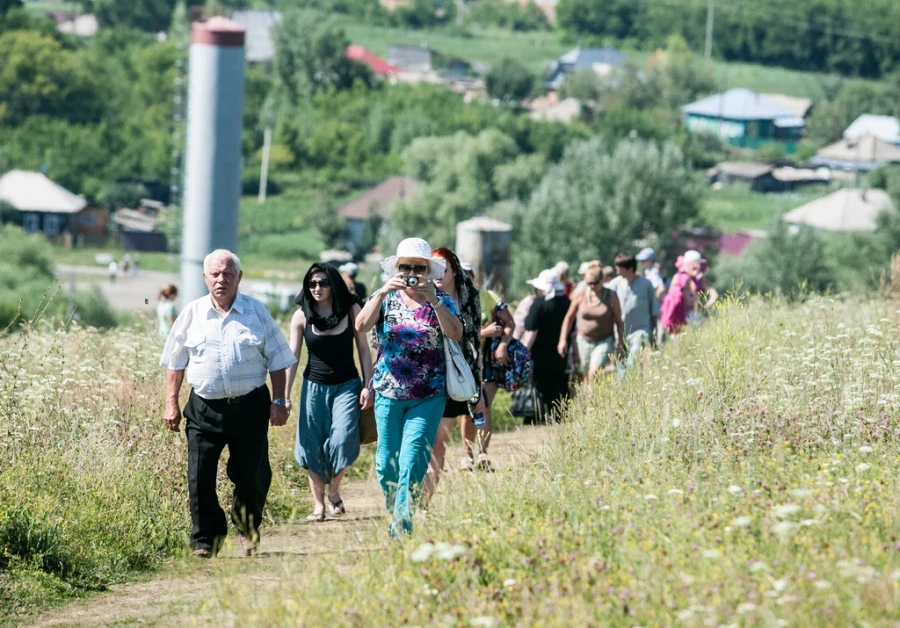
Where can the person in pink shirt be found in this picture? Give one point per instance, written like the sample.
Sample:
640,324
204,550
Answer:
680,303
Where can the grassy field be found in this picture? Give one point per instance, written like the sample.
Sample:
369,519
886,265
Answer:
735,207
538,49
713,487
716,487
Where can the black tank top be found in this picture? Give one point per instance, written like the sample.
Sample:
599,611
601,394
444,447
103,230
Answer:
330,357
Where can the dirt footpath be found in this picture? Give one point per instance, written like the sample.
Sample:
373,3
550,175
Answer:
176,594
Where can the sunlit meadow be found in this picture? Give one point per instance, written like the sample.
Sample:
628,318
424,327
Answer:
747,476
92,486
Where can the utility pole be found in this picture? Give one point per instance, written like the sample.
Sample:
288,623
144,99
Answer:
264,167
710,11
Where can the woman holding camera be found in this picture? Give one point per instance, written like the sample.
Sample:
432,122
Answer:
410,319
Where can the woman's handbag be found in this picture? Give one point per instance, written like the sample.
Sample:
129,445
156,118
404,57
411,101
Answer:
460,381
525,403
516,374
368,430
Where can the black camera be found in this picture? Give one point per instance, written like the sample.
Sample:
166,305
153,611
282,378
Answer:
412,282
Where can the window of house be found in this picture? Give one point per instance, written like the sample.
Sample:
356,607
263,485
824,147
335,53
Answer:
53,224
88,220
31,222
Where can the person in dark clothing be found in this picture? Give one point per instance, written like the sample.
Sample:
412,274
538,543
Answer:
357,288
551,381
332,395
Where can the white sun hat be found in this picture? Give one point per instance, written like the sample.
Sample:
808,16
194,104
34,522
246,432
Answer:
548,282
692,256
415,248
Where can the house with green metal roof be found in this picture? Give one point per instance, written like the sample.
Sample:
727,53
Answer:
746,119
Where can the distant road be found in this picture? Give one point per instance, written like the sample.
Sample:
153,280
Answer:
138,293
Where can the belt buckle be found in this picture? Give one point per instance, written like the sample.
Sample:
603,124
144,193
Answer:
233,400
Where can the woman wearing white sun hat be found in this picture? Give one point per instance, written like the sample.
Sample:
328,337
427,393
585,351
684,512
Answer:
410,319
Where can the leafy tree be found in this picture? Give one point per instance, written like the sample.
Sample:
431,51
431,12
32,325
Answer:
513,16
511,81
329,224
146,15
785,263
309,57
459,174
39,77
7,5
596,202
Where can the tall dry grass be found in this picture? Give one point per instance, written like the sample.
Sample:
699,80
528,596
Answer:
747,476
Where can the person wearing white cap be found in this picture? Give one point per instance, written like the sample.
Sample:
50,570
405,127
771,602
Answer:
349,271
680,303
546,319
410,319
650,269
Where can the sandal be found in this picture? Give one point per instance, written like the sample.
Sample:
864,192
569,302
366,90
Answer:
337,507
316,517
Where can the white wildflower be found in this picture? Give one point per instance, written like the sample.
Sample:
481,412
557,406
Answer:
809,522
865,449
822,584
783,528
650,497
509,582
759,566
746,607
734,490
487,622
785,510
422,553
443,551
863,467
675,491
780,585
712,554
676,422
742,522
800,493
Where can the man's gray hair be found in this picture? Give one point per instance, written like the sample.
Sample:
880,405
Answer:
222,254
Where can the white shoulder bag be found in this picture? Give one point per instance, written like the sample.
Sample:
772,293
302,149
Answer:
460,381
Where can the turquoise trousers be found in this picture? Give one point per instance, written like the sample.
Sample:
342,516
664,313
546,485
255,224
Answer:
406,431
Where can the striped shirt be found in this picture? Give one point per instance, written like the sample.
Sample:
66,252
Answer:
226,355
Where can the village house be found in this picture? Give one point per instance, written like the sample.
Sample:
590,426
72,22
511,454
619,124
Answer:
603,61
45,207
885,128
862,153
848,209
374,202
746,119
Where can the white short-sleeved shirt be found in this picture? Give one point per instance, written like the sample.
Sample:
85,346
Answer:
226,355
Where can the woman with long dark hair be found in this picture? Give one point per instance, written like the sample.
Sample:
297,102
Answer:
332,395
456,283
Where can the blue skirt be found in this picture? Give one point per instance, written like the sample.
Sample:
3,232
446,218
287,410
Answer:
328,427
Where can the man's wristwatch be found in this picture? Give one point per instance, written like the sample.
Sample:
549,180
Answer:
279,402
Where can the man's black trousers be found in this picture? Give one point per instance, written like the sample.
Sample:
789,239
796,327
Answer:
210,426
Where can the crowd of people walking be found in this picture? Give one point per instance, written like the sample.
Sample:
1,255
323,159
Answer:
442,351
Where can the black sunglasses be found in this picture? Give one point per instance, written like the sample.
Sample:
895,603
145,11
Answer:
322,283
418,269
593,283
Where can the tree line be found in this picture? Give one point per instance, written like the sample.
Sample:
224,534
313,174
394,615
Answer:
842,36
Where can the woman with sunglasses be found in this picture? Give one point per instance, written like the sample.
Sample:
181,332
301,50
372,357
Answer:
597,315
332,395
411,320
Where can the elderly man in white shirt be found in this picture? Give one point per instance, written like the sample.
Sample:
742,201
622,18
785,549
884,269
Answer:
227,341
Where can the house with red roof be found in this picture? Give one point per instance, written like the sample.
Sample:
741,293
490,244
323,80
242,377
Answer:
369,58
